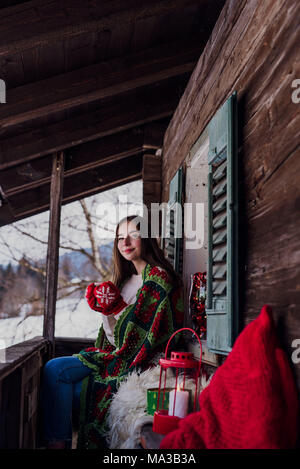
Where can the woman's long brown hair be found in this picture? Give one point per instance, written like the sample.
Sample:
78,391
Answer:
150,252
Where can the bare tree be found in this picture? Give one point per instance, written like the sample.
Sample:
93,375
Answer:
80,227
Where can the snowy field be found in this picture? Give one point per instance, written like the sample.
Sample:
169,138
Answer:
73,318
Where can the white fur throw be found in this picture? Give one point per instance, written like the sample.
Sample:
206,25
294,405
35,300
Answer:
127,413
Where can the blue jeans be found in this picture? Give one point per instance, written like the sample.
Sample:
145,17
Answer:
61,386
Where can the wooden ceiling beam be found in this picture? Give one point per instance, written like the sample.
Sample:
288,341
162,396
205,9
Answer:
46,180
145,106
98,81
36,210
84,157
81,185
37,23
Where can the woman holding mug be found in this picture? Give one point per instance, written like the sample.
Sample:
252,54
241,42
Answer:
141,309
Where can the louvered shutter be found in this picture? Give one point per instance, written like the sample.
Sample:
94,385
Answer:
173,243
222,278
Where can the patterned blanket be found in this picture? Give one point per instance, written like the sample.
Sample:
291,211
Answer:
140,333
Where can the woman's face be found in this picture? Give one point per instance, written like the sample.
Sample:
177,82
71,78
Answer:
129,241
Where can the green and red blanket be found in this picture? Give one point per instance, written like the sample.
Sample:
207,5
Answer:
140,333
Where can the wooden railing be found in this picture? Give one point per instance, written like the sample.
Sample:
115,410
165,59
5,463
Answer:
20,373
20,378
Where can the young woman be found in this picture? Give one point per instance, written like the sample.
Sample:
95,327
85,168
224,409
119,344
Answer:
141,309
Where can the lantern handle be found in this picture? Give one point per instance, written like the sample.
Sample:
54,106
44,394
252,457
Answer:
185,329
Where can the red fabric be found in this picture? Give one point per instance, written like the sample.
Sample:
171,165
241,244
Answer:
251,401
105,298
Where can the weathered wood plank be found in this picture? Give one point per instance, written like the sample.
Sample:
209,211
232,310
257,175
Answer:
35,209
234,67
20,352
56,193
151,192
79,159
263,165
152,165
98,81
154,134
145,107
19,384
273,253
152,168
38,24
10,410
83,158
275,223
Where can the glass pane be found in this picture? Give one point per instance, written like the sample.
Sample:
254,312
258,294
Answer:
23,251
196,237
85,255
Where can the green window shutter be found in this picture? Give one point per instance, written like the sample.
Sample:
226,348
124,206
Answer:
222,271
173,244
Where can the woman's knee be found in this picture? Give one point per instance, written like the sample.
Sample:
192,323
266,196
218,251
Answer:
54,366
67,369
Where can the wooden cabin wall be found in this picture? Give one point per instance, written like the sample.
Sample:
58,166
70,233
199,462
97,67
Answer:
254,49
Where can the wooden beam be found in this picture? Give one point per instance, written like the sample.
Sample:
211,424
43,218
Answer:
6,214
37,24
81,185
79,159
152,165
88,193
154,135
84,157
152,168
56,192
145,106
100,179
98,81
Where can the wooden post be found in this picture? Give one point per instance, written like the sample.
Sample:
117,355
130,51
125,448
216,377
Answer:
53,247
152,167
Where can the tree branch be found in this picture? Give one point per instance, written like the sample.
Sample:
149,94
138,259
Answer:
95,251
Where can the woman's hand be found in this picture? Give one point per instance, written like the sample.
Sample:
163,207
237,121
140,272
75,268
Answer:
105,298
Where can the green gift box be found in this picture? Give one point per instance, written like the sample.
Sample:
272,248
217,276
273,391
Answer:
152,396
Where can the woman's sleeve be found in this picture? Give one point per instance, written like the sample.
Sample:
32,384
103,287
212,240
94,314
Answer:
109,323
143,326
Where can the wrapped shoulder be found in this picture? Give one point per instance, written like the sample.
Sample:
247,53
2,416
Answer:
159,274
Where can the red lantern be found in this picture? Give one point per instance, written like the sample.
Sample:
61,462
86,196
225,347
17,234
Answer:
185,366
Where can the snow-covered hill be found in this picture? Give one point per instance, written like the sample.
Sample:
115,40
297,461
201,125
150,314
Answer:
73,319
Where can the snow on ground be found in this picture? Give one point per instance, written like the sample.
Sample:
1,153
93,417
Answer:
73,318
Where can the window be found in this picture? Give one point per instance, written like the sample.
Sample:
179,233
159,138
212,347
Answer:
173,222
195,218
210,219
211,188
